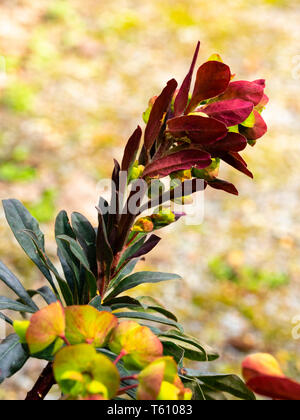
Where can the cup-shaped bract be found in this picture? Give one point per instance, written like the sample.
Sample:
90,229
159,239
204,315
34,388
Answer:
81,372
85,324
138,344
46,326
160,381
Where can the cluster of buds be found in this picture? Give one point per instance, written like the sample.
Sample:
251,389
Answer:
73,336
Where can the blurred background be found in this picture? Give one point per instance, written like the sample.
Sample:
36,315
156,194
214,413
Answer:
75,78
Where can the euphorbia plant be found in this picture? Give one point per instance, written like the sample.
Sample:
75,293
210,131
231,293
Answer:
88,332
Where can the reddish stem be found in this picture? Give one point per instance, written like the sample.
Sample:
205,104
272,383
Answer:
66,341
42,386
122,354
128,378
127,388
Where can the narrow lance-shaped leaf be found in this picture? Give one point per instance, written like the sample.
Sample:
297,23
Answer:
131,149
20,220
14,284
7,303
178,161
140,278
212,80
46,293
183,94
12,357
147,247
220,184
158,111
235,160
86,236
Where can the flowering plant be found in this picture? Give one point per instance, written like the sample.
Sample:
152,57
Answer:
88,331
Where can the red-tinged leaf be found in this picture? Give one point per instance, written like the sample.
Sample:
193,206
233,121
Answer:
131,149
201,130
231,112
260,128
260,82
45,327
139,344
212,80
233,142
265,100
146,247
260,364
158,111
183,94
185,159
278,388
85,324
248,91
219,184
234,159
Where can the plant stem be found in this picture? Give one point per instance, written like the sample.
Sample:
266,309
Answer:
127,388
122,354
42,386
128,378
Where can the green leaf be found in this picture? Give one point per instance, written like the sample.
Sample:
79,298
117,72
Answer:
46,293
6,303
20,220
65,290
6,319
97,303
12,357
77,251
171,349
149,317
140,278
69,262
14,284
86,236
231,384
192,348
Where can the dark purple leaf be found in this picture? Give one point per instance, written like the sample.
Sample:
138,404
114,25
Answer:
158,111
212,80
248,91
219,184
236,161
201,130
231,112
183,94
178,161
233,142
131,149
147,247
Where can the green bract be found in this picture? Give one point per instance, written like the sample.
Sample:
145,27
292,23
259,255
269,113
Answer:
160,381
81,371
139,345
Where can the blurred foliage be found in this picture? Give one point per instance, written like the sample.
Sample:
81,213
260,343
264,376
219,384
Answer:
80,74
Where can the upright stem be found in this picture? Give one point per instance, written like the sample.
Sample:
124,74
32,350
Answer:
42,386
